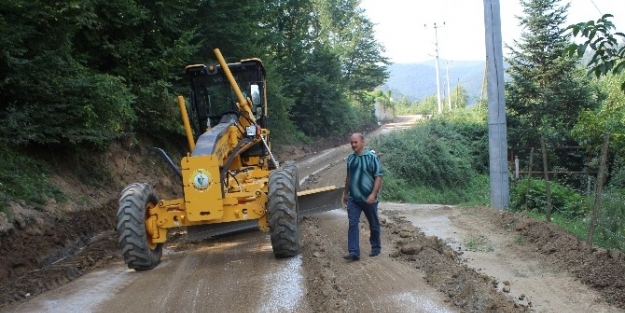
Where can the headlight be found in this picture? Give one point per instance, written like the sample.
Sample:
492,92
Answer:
250,131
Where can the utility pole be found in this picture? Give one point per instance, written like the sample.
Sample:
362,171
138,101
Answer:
497,132
448,86
438,79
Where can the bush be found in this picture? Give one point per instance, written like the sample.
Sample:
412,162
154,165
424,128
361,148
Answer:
564,200
396,188
611,224
435,153
26,178
436,161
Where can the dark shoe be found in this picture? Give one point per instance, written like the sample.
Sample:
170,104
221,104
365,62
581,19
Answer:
351,257
374,253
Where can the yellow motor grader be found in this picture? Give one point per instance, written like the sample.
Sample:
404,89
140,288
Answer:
230,178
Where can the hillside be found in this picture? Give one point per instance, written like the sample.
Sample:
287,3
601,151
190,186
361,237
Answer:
418,80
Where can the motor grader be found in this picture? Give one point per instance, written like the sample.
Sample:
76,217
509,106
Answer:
230,178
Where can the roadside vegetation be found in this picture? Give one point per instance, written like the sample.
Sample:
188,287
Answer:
565,115
442,160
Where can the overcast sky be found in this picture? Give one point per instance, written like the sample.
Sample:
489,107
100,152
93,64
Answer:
400,25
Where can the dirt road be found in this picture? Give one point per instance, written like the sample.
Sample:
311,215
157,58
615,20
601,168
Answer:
435,259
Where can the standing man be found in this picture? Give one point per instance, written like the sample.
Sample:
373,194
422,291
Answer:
364,178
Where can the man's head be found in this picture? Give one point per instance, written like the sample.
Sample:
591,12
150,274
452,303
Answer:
357,141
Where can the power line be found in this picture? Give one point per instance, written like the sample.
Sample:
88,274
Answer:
596,7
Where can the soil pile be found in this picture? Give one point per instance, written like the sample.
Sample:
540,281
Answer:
601,269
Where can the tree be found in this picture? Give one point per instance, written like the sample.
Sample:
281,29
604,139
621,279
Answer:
546,95
49,93
459,97
596,128
346,29
428,106
608,54
384,98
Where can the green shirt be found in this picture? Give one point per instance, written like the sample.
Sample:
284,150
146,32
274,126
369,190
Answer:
362,169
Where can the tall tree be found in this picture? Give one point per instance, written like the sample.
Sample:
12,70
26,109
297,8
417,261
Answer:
459,97
49,94
546,94
345,28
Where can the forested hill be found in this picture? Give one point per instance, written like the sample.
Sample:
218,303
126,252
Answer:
418,80
86,72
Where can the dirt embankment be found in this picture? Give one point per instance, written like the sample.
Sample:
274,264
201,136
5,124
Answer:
602,270
43,247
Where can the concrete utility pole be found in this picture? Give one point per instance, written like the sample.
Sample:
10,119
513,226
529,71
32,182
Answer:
438,79
497,133
448,86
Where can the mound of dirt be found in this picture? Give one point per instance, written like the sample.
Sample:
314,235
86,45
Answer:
329,283
45,254
601,269
465,288
45,246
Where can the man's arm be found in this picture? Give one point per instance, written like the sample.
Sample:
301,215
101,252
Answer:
346,189
376,188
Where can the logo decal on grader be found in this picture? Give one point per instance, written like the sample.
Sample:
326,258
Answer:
201,179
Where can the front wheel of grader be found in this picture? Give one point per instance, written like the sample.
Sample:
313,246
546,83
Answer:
137,248
282,213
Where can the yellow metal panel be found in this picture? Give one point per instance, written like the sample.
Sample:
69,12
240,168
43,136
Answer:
202,188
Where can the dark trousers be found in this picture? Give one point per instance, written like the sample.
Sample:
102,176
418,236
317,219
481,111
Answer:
354,208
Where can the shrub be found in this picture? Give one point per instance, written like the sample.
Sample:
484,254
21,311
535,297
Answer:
564,200
436,161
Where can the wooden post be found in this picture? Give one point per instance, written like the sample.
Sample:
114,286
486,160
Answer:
529,178
543,147
599,189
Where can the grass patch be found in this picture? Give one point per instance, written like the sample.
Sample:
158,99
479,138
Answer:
398,189
603,237
26,178
478,244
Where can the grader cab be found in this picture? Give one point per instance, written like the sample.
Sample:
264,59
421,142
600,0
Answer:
230,178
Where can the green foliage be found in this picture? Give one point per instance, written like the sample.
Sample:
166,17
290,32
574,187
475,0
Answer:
429,105
608,118
70,109
610,229
397,188
546,93
459,97
611,224
608,54
25,178
565,200
436,162
89,72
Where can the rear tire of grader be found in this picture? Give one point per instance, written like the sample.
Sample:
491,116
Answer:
139,252
282,213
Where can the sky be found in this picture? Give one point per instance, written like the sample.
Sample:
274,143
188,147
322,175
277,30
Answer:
406,27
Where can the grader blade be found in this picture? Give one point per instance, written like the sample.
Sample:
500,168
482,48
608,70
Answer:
319,200
310,202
